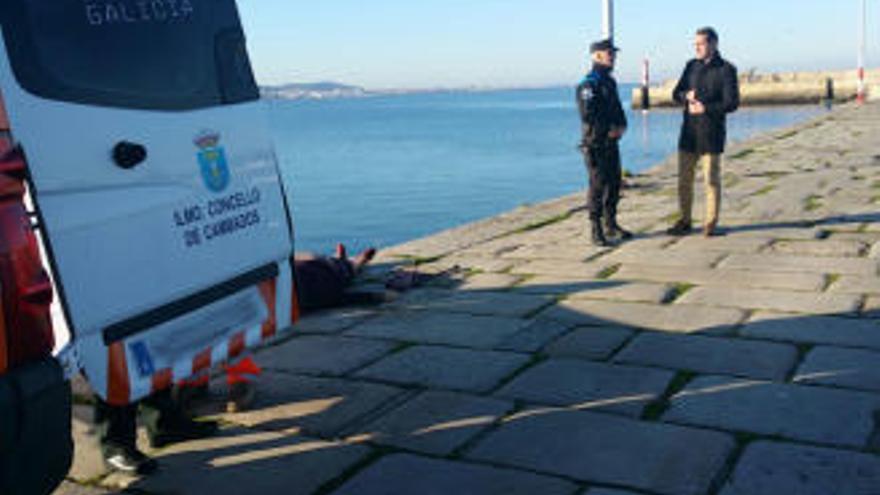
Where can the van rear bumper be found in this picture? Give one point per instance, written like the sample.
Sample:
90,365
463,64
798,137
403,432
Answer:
155,317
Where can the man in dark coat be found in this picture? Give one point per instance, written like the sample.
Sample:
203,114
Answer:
709,90
603,124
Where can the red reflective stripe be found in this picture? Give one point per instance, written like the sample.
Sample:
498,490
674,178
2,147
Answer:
118,387
162,380
202,361
294,305
268,290
236,345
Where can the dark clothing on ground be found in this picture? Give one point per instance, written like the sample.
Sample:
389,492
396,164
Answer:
717,86
601,111
321,282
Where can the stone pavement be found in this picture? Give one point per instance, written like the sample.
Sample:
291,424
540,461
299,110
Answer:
747,364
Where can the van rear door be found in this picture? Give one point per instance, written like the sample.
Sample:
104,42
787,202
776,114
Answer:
155,180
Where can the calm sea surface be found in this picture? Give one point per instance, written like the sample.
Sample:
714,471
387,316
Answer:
380,171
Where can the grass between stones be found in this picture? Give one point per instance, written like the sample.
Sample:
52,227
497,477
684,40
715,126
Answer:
679,289
742,154
764,190
812,202
655,410
787,135
543,223
830,280
731,179
609,272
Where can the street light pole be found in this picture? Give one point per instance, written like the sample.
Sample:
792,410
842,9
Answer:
608,19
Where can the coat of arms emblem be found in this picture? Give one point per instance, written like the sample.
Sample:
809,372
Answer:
212,161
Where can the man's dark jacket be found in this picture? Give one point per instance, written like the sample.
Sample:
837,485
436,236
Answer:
717,87
600,108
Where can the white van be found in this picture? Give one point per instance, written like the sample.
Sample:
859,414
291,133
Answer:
155,183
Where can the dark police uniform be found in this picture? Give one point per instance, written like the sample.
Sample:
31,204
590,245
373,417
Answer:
600,109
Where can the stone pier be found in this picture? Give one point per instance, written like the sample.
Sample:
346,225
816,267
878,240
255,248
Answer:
532,363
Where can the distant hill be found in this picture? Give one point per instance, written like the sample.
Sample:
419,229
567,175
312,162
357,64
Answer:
313,91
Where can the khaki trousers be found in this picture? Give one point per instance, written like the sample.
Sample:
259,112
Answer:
687,164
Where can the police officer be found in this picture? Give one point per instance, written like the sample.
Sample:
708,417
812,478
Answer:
603,124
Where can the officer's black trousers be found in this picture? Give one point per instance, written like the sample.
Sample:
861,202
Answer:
604,168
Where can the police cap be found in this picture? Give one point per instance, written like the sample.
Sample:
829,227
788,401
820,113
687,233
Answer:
603,45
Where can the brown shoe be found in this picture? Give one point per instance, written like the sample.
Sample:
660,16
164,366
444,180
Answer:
681,228
711,231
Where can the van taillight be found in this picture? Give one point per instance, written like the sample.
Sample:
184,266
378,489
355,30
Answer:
25,288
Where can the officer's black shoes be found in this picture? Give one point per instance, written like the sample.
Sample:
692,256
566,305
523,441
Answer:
181,430
680,229
128,459
617,233
597,237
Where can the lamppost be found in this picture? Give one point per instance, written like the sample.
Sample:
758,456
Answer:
608,19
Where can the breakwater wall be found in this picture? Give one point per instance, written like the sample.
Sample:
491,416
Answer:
791,88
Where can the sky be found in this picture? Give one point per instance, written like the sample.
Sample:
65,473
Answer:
418,44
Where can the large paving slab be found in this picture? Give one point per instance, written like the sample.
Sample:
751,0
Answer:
813,414
436,422
627,292
830,248
720,277
556,285
660,257
852,284
568,251
587,385
536,335
404,474
780,262
671,318
323,354
725,244
812,329
318,406
239,461
776,300
439,327
333,321
848,368
776,468
570,269
489,281
711,355
599,448
488,303
593,343
446,368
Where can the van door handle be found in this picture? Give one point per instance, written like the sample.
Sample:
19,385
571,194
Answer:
128,155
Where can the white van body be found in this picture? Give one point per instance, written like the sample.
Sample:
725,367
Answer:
158,190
